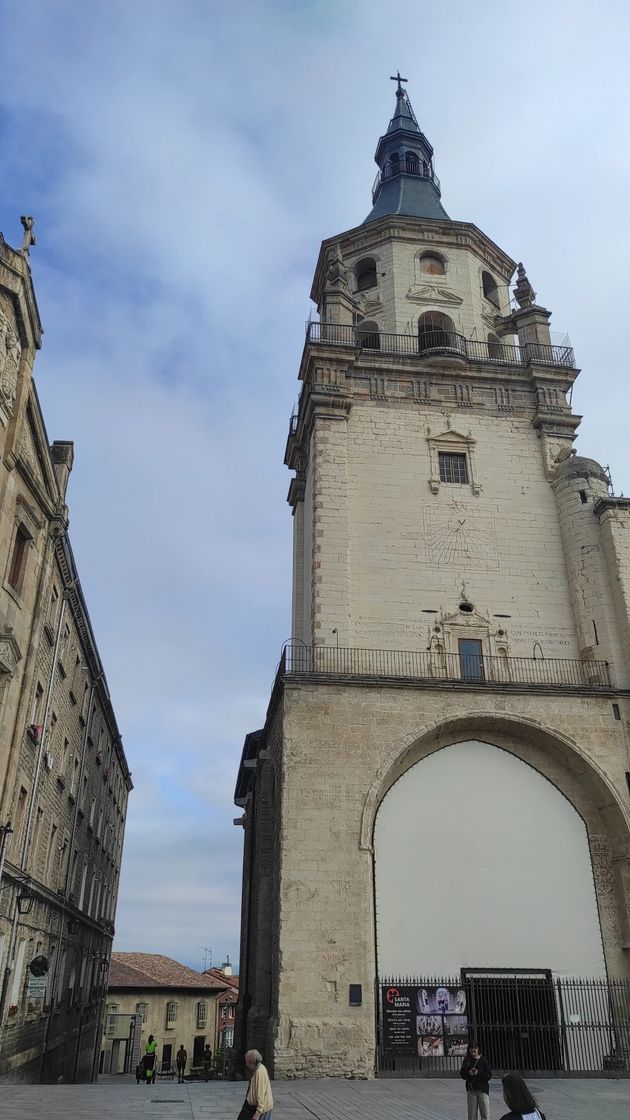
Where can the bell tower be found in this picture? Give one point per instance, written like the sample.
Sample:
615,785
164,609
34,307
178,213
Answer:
461,607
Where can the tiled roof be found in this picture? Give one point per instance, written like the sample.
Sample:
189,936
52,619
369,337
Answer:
152,970
232,981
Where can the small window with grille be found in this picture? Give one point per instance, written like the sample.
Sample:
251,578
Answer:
171,1013
453,467
142,1009
202,1014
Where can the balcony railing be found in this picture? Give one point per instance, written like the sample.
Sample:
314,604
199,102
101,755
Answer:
438,342
408,166
477,670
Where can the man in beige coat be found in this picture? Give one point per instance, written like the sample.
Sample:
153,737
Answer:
259,1096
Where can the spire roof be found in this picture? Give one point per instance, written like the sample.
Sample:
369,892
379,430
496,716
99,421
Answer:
406,183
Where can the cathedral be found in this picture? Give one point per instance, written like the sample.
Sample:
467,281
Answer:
436,813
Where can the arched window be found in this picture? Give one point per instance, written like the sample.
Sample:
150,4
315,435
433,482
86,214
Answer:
431,264
394,163
365,273
436,332
412,164
368,335
490,289
494,347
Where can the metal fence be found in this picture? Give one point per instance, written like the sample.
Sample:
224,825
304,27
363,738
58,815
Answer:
433,665
522,1020
436,342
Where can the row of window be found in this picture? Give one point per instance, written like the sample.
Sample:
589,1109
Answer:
436,331
65,976
142,1009
102,895
429,264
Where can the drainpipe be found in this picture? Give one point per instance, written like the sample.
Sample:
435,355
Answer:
27,832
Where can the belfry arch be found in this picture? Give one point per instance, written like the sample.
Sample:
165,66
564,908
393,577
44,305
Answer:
573,774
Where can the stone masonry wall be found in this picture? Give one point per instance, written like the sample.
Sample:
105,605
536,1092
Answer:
343,746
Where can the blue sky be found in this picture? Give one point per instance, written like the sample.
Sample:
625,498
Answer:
183,161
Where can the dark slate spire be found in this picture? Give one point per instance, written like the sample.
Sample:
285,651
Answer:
406,183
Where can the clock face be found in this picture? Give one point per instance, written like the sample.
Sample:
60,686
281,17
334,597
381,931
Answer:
458,536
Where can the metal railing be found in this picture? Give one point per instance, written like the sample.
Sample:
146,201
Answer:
435,342
522,1019
406,166
474,670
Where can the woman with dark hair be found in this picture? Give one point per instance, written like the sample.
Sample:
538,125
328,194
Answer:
476,1073
519,1100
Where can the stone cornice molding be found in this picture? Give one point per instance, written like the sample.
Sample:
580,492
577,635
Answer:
365,239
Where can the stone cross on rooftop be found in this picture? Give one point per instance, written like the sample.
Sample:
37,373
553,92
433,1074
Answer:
29,236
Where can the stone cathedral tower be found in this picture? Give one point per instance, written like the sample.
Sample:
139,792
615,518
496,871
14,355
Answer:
441,784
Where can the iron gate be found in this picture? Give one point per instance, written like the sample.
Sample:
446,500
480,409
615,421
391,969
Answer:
523,1019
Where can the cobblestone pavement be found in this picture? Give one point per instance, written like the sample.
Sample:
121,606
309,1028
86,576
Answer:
120,1098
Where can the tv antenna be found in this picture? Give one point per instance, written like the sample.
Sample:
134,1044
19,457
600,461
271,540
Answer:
207,957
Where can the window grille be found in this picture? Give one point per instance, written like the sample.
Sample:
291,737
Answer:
453,467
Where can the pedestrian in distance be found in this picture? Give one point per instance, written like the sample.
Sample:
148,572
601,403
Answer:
181,1060
258,1103
148,1062
207,1062
476,1073
519,1100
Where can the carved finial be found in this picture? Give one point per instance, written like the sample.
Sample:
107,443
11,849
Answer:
336,271
523,292
29,237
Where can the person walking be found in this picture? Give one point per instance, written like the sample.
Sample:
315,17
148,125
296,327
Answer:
476,1073
148,1062
519,1100
207,1062
181,1058
258,1103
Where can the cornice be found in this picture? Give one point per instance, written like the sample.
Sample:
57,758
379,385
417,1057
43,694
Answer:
438,231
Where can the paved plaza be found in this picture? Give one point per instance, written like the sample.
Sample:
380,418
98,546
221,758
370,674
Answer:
121,1099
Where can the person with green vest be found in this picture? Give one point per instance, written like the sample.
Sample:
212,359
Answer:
149,1060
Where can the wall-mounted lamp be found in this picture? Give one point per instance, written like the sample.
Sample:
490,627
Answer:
25,902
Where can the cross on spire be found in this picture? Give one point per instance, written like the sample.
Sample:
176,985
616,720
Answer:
397,78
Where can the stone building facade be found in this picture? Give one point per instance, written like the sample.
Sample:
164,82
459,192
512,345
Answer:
461,594
177,1005
63,773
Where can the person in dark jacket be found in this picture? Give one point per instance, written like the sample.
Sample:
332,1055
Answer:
519,1100
476,1073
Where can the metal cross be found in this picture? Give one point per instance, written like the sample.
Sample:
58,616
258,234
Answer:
397,78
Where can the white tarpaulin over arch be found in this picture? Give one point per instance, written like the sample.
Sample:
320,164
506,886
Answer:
481,862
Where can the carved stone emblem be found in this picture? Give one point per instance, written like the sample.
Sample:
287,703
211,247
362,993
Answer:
10,351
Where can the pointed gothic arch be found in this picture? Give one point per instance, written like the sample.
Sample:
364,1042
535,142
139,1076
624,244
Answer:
574,773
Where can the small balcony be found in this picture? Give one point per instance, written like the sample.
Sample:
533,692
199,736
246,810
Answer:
448,669
410,165
439,343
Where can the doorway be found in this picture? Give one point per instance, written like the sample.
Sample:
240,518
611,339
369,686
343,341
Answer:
513,1016
199,1043
167,1050
471,659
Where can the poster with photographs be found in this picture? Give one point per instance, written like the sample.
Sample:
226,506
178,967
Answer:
430,1021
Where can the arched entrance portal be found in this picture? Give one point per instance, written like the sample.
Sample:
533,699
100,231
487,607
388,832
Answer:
480,862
